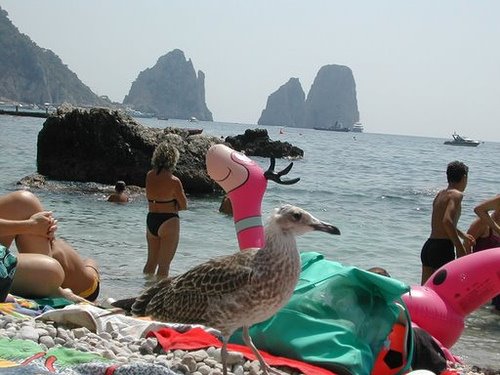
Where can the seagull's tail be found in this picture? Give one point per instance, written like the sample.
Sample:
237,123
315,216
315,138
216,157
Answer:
124,304
141,304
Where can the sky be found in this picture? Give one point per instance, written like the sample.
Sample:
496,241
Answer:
424,68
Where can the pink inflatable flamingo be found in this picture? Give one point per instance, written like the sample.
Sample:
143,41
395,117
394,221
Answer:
245,184
455,290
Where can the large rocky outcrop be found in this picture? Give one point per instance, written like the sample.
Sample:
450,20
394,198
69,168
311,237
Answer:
104,146
100,145
285,106
170,89
331,100
34,75
257,143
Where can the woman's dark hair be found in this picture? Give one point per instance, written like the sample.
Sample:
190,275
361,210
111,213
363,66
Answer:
120,186
379,271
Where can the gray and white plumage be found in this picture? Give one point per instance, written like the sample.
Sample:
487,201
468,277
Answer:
237,290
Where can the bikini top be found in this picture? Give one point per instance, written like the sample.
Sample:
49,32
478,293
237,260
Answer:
483,243
157,201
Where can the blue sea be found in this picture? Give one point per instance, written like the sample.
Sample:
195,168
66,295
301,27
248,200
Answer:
377,188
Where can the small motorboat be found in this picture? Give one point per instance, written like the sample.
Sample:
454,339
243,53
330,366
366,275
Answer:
459,140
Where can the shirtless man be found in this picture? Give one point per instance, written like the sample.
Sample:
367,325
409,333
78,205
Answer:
119,196
440,248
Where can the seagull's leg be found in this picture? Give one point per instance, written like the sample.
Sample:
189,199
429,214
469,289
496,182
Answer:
223,354
266,369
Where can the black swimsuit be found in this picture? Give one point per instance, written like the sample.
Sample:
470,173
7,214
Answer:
155,219
436,252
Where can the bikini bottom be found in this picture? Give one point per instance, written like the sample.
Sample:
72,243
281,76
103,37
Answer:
92,292
155,219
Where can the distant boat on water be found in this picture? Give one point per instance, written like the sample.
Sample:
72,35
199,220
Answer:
193,119
459,140
138,114
337,127
357,128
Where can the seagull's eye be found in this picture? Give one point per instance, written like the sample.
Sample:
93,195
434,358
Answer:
297,216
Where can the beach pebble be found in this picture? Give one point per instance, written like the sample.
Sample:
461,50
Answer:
27,333
47,340
199,355
204,369
78,333
105,336
148,346
190,362
234,358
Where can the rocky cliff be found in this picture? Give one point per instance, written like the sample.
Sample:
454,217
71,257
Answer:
170,89
34,75
331,99
285,106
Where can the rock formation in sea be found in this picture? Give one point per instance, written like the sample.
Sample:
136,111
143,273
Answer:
285,106
331,99
35,75
102,145
256,142
170,89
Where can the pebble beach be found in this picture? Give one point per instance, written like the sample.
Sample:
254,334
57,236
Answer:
141,356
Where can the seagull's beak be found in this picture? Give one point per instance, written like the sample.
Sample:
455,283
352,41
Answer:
325,227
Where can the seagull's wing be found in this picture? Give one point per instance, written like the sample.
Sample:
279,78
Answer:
187,297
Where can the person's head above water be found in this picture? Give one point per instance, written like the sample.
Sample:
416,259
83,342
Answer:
379,271
120,186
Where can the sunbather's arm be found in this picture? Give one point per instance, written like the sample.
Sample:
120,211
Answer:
41,224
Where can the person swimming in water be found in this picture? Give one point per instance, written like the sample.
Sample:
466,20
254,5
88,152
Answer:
166,198
119,196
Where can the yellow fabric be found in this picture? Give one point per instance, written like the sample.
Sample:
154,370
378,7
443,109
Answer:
93,287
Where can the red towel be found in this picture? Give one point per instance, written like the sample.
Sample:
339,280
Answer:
197,338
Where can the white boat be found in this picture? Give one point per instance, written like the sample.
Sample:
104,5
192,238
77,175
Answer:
357,127
459,140
193,119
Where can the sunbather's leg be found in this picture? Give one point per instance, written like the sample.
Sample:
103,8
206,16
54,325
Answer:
37,275
21,205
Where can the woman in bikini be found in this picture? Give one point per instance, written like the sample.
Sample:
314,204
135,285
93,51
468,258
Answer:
166,198
486,231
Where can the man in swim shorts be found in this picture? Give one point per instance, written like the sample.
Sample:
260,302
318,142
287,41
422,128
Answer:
440,248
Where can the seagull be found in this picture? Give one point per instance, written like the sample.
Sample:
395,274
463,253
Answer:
238,290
